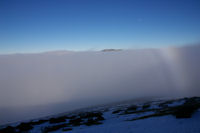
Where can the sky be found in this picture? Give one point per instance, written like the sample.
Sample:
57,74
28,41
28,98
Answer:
48,25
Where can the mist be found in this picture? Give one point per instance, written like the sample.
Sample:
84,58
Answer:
36,85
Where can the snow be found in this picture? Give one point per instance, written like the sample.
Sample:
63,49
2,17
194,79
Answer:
117,124
121,122
176,103
164,124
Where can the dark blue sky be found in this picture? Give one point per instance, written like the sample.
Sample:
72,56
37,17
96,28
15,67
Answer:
43,25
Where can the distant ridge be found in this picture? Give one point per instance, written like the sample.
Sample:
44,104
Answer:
110,50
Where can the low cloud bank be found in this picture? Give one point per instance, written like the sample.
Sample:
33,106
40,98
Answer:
34,85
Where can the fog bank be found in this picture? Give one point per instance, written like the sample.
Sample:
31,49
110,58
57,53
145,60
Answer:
34,85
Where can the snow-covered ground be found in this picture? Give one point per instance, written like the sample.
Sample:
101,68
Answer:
154,117
164,124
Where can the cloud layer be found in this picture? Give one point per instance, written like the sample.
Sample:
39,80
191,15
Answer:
70,80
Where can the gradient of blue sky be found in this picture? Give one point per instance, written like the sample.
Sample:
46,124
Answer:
42,25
